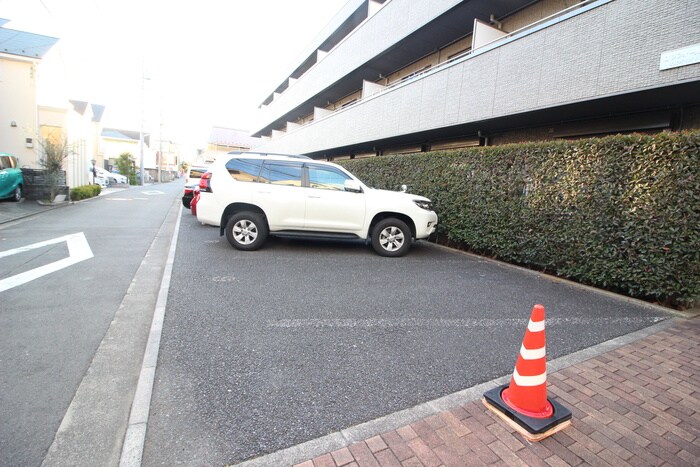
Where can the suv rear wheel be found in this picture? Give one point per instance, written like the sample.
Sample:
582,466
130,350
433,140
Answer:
391,237
246,231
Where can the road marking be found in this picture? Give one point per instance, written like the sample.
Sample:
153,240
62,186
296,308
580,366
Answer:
224,279
448,323
153,192
78,250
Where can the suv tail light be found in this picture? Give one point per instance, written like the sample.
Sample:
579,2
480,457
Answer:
204,182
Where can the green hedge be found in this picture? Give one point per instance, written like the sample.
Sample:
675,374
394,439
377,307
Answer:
620,213
84,192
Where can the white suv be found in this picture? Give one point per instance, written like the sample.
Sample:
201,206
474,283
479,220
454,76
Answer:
253,195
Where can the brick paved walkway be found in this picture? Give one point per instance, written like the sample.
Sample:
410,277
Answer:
636,405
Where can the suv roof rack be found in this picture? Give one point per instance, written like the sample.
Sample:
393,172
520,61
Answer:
264,154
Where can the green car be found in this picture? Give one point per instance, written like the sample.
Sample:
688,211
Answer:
11,181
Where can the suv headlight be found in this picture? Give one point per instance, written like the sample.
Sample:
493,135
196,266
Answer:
427,205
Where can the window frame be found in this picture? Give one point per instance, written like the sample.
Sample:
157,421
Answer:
303,179
239,159
326,168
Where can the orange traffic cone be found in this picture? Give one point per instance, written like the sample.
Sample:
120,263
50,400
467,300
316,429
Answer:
523,403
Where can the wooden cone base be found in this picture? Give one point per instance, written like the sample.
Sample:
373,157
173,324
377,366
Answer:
532,429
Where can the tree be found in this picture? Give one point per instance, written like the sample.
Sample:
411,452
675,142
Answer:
56,150
125,164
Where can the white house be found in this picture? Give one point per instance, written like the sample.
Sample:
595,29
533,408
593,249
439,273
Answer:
79,123
116,142
20,54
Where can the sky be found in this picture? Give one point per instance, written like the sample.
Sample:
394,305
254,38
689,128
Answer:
206,62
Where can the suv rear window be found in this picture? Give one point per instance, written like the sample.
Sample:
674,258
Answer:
196,172
244,170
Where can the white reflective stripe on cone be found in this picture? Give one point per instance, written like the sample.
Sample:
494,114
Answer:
535,326
532,354
529,380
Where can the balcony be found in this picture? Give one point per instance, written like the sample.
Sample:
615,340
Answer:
396,34
588,61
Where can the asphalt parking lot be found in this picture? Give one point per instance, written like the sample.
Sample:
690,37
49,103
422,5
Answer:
264,350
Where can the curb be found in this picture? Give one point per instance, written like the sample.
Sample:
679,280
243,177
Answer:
135,438
687,314
344,438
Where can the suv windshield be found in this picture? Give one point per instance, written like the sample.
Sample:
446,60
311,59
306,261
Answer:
6,162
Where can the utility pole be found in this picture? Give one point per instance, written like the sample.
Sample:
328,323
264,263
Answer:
143,81
144,78
160,145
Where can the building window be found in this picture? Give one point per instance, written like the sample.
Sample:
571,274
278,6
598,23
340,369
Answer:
350,102
416,73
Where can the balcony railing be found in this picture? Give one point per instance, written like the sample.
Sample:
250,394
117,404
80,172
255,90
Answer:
563,15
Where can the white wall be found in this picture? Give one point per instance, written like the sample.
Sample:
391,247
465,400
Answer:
18,105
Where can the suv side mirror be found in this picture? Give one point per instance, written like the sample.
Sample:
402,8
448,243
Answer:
353,186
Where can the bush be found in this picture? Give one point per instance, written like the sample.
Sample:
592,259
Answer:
84,192
620,213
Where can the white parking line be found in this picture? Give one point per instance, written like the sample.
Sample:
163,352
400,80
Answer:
78,250
451,323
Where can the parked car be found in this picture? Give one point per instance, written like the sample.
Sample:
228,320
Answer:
147,177
194,174
251,196
195,199
114,177
109,177
100,180
11,180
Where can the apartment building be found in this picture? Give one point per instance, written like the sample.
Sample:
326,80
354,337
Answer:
222,140
399,76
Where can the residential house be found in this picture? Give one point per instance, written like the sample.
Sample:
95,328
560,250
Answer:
79,123
20,54
116,142
168,160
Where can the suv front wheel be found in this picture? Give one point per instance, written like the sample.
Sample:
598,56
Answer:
246,231
391,237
